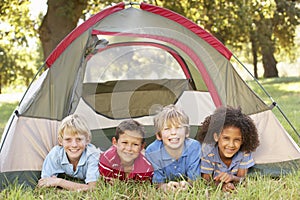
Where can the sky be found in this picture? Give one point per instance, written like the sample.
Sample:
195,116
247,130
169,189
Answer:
38,6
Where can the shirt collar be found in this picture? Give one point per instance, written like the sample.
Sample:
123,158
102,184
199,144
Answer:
65,159
166,155
216,156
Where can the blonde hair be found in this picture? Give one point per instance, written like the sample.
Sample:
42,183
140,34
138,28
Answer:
171,116
76,125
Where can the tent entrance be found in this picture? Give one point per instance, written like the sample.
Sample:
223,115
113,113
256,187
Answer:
133,79
132,98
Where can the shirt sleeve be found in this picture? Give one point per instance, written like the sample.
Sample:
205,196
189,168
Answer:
105,168
51,165
92,173
153,157
206,166
247,161
193,167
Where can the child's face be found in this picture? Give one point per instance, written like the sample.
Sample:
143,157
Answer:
129,145
173,137
229,142
74,144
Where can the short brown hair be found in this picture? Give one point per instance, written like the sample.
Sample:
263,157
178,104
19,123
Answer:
130,125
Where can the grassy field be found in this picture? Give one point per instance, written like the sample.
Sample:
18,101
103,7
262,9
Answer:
285,91
6,110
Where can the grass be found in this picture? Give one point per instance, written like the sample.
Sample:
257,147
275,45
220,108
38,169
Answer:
255,187
6,110
286,92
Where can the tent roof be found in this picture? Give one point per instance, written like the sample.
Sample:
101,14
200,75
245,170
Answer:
210,39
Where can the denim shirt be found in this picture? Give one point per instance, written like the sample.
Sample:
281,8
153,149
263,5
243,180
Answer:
56,162
167,168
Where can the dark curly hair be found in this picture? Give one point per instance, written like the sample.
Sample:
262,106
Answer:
224,117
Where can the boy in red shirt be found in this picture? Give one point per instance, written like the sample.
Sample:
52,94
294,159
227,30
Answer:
124,160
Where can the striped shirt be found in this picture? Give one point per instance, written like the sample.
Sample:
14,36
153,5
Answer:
110,167
212,163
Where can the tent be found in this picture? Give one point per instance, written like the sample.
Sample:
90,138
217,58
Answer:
128,61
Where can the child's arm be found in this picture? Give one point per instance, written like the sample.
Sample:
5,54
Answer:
207,177
226,178
229,179
69,185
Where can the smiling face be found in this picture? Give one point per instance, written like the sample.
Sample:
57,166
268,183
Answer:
74,144
229,142
129,145
173,138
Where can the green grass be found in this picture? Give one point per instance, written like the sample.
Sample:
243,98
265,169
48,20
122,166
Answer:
255,187
285,91
6,110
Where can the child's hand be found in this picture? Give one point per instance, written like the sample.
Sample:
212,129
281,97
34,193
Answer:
49,182
228,187
184,185
174,186
224,177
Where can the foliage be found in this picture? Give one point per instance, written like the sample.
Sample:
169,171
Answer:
268,27
17,54
239,24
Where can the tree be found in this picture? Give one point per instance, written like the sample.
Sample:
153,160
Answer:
15,53
269,26
62,17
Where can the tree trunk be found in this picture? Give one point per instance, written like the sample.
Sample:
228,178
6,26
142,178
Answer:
268,59
0,84
269,63
267,45
61,18
254,52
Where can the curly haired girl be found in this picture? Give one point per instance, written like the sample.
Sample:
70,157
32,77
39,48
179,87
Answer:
231,137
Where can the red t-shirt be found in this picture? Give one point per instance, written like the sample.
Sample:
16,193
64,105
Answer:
110,167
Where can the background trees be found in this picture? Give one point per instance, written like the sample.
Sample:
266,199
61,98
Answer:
266,29
17,60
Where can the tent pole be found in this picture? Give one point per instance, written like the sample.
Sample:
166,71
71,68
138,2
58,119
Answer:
16,113
274,104
36,74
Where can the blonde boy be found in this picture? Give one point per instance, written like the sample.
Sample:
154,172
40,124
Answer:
174,156
124,160
74,157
